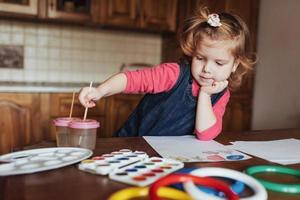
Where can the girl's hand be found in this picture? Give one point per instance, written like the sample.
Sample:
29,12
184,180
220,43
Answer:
216,87
88,96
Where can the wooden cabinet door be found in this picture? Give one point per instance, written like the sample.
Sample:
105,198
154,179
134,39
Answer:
238,114
152,15
121,106
72,11
27,7
19,121
15,126
119,13
159,15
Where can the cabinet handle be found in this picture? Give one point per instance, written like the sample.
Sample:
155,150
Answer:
52,5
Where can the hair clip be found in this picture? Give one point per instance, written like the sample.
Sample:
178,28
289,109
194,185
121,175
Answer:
214,20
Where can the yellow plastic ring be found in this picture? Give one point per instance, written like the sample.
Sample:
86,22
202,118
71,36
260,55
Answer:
134,192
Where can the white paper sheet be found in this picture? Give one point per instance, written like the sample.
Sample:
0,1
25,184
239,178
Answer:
284,151
189,149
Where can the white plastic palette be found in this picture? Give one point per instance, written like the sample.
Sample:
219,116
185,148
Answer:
146,172
36,160
106,163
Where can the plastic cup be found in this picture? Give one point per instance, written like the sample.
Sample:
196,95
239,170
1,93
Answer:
62,130
83,133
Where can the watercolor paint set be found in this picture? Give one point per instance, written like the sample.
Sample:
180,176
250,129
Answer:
131,167
107,163
145,172
36,160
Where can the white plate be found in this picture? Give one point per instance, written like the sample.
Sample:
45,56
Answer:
37,160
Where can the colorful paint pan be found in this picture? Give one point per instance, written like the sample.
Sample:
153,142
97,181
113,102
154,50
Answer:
107,163
145,172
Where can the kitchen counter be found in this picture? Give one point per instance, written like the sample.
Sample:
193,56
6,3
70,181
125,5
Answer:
41,87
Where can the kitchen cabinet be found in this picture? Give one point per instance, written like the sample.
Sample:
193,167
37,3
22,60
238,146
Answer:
152,15
24,7
20,121
70,11
119,13
238,114
159,15
60,10
121,106
148,15
27,118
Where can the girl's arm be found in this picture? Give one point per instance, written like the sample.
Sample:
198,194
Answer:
152,80
205,116
149,80
208,122
113,85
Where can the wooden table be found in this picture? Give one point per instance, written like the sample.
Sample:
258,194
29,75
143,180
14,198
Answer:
70,183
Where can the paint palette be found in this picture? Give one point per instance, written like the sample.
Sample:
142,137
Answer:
146,172
107,163
36,160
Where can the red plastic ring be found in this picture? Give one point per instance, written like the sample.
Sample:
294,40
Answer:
182,178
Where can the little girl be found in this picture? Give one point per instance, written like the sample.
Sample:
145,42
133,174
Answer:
189,97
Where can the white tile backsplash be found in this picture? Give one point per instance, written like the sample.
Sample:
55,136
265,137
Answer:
58,53
54,41
31,64
42,64
30,75
30,28
16,74
54,30
54,53
42,40
5,26
5,74
17,38
16,27
5,38
42,52
66,43
30,40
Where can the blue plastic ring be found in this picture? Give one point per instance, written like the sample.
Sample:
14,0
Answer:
237,186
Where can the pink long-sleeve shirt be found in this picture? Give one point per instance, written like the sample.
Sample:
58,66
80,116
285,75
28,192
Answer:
162,78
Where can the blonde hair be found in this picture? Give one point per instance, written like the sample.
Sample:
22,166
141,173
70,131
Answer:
196,29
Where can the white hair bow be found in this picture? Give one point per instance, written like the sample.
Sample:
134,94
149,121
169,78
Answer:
214,20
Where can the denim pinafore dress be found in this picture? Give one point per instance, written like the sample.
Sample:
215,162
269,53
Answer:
169,113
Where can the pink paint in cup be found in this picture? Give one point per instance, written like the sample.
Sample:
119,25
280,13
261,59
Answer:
62,130
83,133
